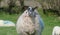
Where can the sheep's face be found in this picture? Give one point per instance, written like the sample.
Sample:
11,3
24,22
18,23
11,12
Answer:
30,12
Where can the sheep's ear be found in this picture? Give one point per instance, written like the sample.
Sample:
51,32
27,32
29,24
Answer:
25,7
36,7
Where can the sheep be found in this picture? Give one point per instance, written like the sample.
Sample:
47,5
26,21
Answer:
6,23
56,30
30,22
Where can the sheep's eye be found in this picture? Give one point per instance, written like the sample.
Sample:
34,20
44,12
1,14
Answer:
26,12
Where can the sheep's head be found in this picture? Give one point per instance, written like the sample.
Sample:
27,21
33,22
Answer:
30,11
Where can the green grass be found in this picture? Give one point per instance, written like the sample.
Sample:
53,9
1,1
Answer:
8,31
49,21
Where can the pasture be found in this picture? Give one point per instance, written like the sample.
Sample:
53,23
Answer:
50,22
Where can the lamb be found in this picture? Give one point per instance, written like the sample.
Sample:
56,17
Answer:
29,23
56,30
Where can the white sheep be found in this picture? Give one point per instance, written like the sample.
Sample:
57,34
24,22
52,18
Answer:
29,23
6,23
56,30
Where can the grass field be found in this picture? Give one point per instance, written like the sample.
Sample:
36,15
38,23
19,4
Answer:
49,21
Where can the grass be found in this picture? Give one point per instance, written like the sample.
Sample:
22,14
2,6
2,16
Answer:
49,21
8,31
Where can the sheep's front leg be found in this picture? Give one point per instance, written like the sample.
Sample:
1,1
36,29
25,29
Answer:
22,33
38,33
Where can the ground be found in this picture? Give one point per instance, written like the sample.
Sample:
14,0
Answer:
49,21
